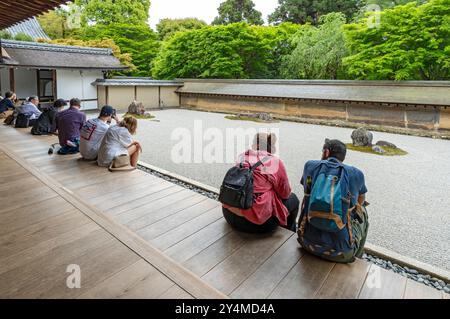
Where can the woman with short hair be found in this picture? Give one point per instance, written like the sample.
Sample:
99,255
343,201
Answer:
274,204
118,142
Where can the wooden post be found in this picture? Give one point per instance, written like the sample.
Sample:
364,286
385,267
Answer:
38,83
55,85
12,80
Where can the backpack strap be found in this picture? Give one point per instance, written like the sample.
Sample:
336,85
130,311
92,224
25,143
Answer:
261,162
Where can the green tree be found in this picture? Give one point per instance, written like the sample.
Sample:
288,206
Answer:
385,4
411,43
114,11
168,27
303,11
233,51
124,58
139,41
318,51
54,23
5,35
279,40
232,11
23,37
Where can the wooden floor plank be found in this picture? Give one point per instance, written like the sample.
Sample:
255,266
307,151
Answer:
172,221
149,214
230,273
304,280
176,293
383,284
13,220
75,239
114,188
345,281
153,193
138,281
214,254
27,198
37,270
17,241
199,241
17,187
415,290
96,266
107,203
267,277
192,226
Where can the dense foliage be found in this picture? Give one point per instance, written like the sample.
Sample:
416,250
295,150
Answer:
330,39
19,36
113,11
166,28
317,51
411,42
232,51
303,11
232,11
139,41
54,23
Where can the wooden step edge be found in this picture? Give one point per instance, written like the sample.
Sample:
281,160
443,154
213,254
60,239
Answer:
174,271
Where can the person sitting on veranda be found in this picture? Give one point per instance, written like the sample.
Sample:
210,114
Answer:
118,142
68,125
7,105
46,123
30,109
93,132
333,222
274,204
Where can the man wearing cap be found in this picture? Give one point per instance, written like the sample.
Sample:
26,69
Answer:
69,124
345,242
94,130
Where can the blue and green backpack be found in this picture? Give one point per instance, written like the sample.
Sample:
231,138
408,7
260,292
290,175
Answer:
329,201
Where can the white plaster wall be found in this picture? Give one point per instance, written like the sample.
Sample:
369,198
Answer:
76,83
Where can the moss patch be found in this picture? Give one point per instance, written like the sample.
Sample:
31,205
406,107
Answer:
248,118
368,149
140,117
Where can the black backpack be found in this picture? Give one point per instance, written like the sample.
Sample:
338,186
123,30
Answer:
22,121
237,187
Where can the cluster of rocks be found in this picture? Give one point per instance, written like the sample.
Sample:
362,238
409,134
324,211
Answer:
172,180
137,108
412,274
266,117
363,137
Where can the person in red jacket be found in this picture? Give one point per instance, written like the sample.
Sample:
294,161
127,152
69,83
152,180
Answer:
274,204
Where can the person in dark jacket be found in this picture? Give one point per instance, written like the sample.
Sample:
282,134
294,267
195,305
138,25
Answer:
7,105
46,123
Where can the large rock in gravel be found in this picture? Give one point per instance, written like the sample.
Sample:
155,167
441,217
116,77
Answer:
136,108
362,137
260,116
386,144
378,149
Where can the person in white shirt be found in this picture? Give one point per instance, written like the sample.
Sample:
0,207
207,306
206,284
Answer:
30,108
118,141
93,132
